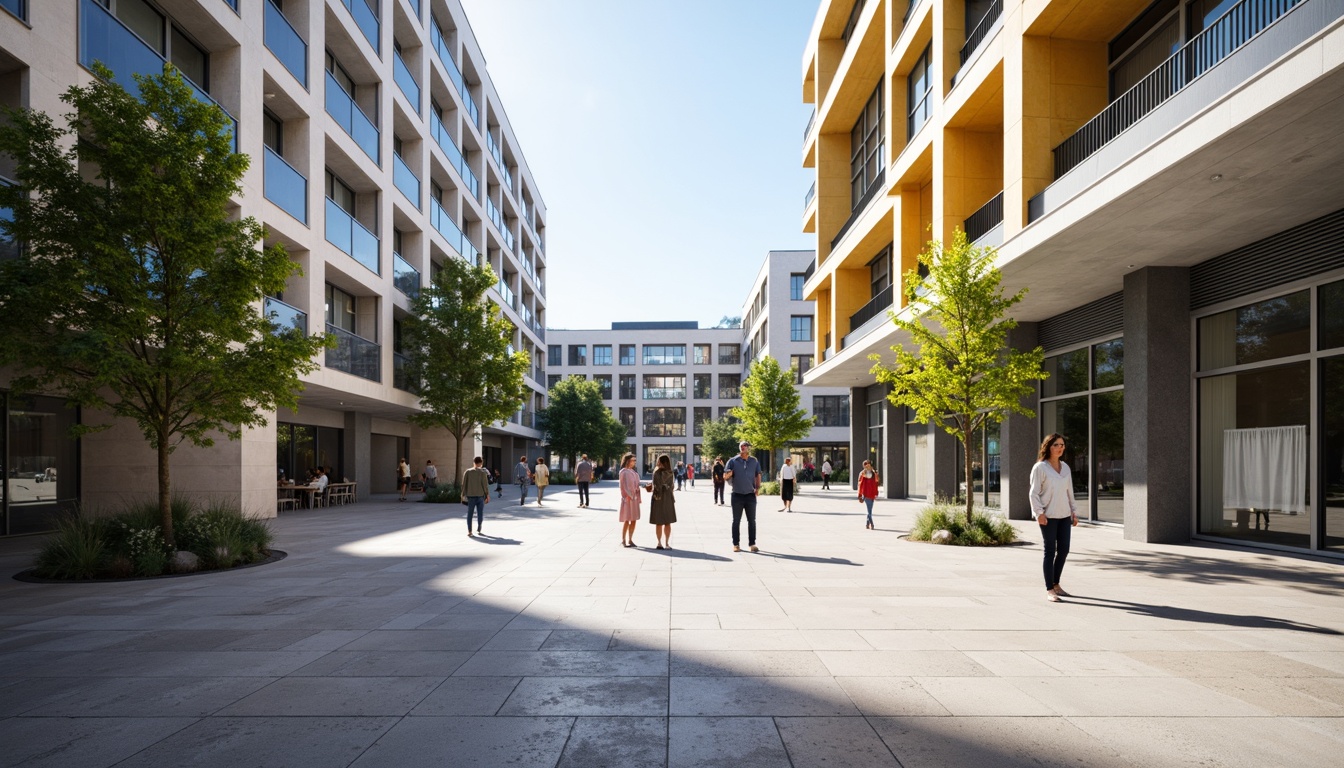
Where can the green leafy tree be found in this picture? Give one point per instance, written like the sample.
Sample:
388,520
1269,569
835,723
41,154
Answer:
136,292
577,421
719,438
457,350
960,374
770,414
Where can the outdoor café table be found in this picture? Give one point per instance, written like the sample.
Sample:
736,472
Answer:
310,493
341,493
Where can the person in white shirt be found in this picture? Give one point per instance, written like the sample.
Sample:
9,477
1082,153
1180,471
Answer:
787,480
1052,504
826,474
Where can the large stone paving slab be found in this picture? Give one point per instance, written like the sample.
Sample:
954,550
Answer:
387,637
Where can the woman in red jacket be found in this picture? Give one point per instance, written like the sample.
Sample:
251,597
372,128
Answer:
868,480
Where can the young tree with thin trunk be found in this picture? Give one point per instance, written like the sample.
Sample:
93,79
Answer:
137,292
960,374
770,413
718,437
577,421
457,349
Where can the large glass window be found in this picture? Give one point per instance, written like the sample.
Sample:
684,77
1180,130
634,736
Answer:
730,386
867,139
627,354
831,410
1265,330
300,448
800,364
1083,401
628,386
704,386
703,354
40,462
601,354
675,453
918,458
701,415
340,308
730,354
1332,450
800,328
555,354
1331,314
659,387
604,381
578,354
664,422
918,87
628,419
1067,374
664,354
796,282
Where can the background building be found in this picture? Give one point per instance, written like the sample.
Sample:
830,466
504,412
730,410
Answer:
1163,177
379,150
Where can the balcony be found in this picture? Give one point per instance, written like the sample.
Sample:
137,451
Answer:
498,154
9,248
406,81
406,180
874,308
811,121
460,83
354,355
405,278
505,292
20,7
455,158
990,215
285,317
366,19
352,237
284,41
811,193
102,38
860,208
444,225
284,186
352,119
977,36
401,378
498,219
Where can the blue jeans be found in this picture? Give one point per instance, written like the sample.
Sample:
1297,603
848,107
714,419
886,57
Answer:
1057,532
869,502
477,503
744,502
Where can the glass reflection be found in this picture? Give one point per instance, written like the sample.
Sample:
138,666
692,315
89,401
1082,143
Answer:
1332,450
1110,461
1069,418
1331,328
1108,364
1068,373
41,462
1276,327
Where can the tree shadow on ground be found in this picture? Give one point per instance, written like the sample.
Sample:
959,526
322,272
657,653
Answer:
1285,569
1200,617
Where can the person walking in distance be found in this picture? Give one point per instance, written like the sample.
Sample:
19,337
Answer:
630,499
826,474
744,472
499,484
1052,503
583,475
663,508
690,474
541,476
476,490
868,480
717,474
521,475
403,478
788,481
431,475
680,474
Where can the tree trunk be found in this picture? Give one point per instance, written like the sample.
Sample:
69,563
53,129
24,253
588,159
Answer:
458,471
165,495
970,483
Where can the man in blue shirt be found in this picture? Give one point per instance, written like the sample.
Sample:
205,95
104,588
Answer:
743,471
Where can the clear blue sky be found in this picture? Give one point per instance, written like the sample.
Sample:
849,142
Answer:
666,139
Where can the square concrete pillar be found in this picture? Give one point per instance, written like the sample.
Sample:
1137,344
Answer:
1019,439
1158,405
357,452
858,433
946,477
893,451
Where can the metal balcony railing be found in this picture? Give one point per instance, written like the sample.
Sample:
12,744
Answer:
982,221
977,36
859,208
879,303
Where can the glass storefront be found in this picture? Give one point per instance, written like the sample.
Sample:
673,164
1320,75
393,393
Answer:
674,453
985,469
918,457
300,448
40,462
1084,400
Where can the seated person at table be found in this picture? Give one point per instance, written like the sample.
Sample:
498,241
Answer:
321,480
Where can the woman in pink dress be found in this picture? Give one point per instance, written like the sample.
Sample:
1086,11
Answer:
630,499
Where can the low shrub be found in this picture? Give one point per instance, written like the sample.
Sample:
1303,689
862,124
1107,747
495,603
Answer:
840,476
985,530
223,537
77,550
559,477
444,493
770,488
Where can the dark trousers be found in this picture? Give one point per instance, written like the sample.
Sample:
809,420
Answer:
1057,531
744,502
718,491
477,503
825,482
583,493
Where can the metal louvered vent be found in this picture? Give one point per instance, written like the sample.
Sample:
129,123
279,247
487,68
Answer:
1103,317
1303,251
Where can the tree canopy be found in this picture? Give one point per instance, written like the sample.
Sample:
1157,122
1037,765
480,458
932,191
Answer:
719,438
577,421
959,373
770,413
457,349
136,292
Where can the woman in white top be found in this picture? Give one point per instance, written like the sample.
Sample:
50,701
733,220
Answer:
1052,504
788,479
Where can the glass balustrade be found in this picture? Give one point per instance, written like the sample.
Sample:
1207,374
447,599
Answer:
505,291
20,7
405,277
366,19
401,378
352,119
498,218
354,355
498,154
285,317
102,38
352,237
405,179
285,186
455,158
9,248
446,57
406,81
444,225
282,40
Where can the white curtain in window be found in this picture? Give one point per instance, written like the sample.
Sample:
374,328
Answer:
1265,468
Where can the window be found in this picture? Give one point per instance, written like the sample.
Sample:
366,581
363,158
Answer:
602,354
704,386
730,354
658,387
628,386
664,354
1277,327
730,386
340,193
604,381
664,422
703,354
272,132
879,272
578,354
700,416
796,281
628,419
627,354
553,352
726,412
867,139
919,86
831,410
800,328
340,309
1092,423
551,380
801,364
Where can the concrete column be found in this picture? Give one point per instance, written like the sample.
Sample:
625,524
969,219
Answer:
893,451
1019,439
357,451
858,433
1158,405
946,478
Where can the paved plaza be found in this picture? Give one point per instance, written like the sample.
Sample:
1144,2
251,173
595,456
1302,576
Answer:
389,638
